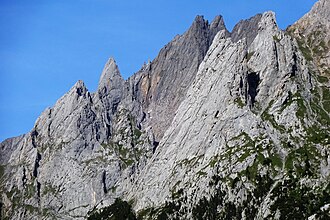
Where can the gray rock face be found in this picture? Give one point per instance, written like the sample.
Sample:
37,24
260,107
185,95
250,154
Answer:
109,94
219,126
232,142
162,84
75,155
246,29
225,108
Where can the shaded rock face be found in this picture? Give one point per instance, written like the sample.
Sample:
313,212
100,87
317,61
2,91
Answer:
160,86
219,126
247,29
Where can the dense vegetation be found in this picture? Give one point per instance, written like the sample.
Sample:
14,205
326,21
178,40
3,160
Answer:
119,210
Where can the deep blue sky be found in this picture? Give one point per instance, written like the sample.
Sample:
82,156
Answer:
46,46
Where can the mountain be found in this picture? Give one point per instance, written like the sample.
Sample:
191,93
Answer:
219,125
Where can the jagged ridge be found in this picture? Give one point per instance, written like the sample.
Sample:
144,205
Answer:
203,131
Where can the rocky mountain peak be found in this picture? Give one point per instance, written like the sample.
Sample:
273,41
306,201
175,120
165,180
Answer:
200,27
199,23
163,84
110,77
79,88
217,22
199,20
246,29
268,21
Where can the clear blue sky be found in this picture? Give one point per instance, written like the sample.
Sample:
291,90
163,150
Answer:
47,45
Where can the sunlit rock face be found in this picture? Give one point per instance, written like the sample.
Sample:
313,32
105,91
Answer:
312,34
219,126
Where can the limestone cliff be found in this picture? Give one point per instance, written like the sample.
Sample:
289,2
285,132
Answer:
218,126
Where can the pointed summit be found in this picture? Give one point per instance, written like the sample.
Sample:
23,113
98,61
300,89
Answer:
79,84
79,88
200,26
268,21
217,22
110,77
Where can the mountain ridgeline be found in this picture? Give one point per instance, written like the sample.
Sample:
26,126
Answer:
220,125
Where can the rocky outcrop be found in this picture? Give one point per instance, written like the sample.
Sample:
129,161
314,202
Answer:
219,126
